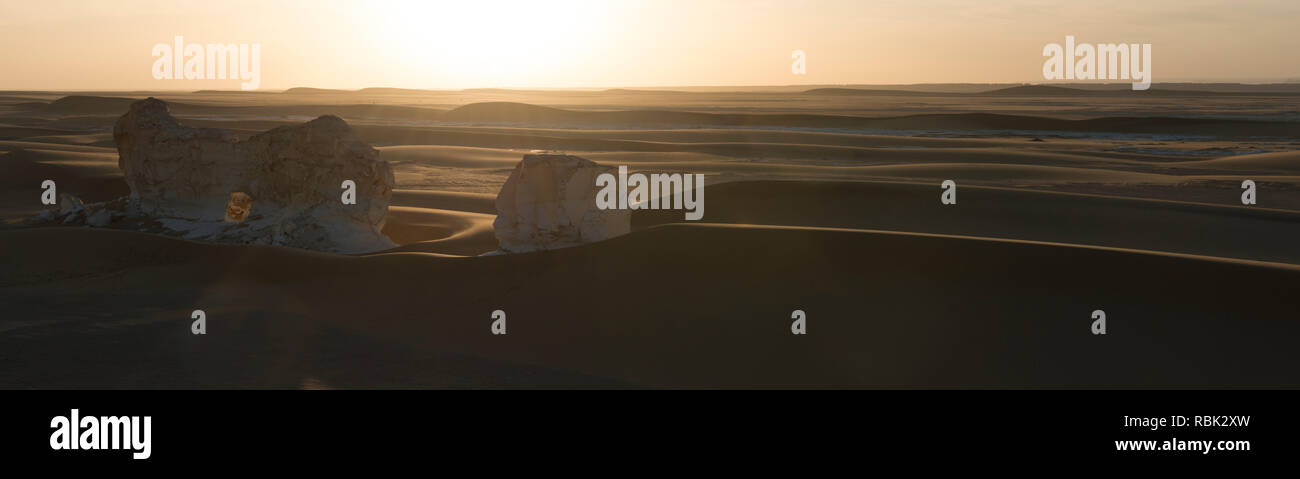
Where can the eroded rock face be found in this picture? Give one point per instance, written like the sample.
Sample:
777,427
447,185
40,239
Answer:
292,173
549,202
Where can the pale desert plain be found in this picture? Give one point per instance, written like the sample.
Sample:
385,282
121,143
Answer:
1070,199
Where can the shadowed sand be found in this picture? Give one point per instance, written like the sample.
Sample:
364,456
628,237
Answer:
1155,225
672,306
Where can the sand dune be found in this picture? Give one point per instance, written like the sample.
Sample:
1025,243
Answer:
518,113
879,306
89,159
91,139
523,114
447,200
18,132
1209,230
761,136
407,225
14,145
440,231
90,174
389,135
1024,174
1280,161
450,156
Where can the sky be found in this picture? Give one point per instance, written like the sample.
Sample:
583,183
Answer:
93,45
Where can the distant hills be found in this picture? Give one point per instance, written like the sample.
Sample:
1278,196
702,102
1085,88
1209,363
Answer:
93,105
528,115
931,89
1059,91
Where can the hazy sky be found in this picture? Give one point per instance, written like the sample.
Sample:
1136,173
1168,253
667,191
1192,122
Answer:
70,45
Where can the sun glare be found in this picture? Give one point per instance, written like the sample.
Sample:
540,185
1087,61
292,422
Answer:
489,42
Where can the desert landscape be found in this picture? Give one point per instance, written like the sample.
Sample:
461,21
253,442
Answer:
1071,198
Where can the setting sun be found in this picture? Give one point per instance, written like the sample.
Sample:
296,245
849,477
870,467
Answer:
490,43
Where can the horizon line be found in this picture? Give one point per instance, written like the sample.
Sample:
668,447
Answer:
664,88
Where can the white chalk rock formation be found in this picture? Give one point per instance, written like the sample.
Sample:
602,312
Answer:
549,202
287,180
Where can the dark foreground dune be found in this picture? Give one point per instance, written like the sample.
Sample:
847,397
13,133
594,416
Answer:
671,306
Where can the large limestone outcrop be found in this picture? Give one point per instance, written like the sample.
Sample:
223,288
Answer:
549,202
281,187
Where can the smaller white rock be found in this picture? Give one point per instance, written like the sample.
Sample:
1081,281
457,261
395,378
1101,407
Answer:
549,202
